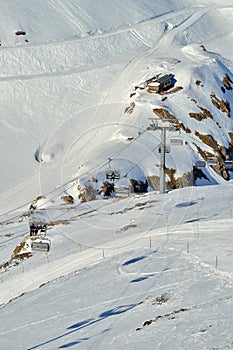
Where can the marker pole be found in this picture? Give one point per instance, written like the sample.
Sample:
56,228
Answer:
216,262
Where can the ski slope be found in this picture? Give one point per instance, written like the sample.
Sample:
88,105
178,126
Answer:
101,282
147,271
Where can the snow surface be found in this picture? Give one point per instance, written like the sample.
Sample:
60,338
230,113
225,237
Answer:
147,271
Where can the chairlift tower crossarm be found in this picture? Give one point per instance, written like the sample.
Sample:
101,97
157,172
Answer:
171,127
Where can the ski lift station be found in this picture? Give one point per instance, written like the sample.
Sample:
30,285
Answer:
162,83
157,83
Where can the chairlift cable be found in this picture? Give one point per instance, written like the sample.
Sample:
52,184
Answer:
74,179
69,182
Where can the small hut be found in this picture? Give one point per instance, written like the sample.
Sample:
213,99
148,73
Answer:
160,84
165,82
154,87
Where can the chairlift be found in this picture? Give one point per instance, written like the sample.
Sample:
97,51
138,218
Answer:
111,173
200,164
228,164
212,160
41,244
176,141
167,149
37,226
122,191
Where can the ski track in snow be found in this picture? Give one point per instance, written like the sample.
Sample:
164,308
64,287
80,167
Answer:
139,37
63,72
192,18
76,263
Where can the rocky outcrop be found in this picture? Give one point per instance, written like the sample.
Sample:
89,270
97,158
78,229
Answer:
204,114
227,82
223,106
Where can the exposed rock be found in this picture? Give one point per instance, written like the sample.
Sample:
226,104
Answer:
87,193
164,114
204,154
153,181
130,108
132,94
199,83
163,298
171,315
22,251
203,115
203,47
35,202
231,137
227,82
68,199
183,181
126,228
108,189
221,154
208,140
223,106
139,186
20,32
58,222
198,174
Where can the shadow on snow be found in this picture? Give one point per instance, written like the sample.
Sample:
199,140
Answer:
139,279
86,323
132,261
186,204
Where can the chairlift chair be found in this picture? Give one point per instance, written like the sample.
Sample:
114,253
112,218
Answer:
122,191
212,160
167,149
200,164
41,244
111,173
176,141
37,226
37,229
228,164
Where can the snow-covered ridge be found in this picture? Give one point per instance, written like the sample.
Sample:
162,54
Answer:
138,270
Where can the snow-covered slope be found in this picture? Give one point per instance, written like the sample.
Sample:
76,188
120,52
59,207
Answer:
56,77
145,271
150,270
